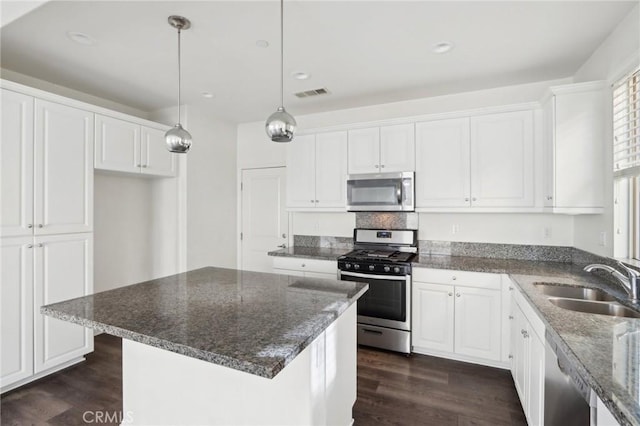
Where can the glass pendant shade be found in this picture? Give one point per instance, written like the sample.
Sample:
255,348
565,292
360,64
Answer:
178,140
280,126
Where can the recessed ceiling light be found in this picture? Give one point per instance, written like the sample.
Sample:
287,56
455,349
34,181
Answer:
442,47
207,95
81,38
300,75
262,43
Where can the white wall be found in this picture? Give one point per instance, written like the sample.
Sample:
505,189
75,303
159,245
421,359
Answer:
210,187
618,54
255,150
122,231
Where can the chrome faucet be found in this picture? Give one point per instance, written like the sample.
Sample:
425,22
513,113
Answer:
631,282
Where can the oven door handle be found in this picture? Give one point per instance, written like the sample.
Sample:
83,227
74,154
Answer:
372,276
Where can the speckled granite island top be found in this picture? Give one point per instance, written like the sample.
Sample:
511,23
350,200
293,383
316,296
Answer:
249,321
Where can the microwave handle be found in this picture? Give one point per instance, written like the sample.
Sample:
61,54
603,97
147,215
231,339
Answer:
399,193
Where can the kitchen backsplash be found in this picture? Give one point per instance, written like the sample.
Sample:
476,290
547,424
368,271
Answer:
380,220
323,242
496,251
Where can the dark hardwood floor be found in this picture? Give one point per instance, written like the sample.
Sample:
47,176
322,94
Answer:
392,390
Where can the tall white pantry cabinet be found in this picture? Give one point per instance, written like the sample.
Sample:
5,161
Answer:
46,179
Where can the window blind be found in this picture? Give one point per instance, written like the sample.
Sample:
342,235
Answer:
626,126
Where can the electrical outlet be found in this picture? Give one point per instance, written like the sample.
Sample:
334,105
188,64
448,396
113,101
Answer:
603,239
547,232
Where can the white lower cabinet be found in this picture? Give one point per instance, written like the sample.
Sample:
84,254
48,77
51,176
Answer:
309,268
458,315
39,271
528,358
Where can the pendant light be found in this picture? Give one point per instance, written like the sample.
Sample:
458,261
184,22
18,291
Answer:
280,125
178,140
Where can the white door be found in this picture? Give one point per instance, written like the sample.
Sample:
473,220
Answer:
331,169
364,150
265,222
433,308
301,172
16,164
477,322
443,163
156,158
16,297
502,160
117,145
63,200
397,148
519,352
63,270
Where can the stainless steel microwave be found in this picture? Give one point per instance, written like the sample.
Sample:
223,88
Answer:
380,192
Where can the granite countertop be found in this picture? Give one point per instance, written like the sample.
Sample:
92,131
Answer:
321,253
249,321
604,350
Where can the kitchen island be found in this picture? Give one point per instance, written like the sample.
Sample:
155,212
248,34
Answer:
220,346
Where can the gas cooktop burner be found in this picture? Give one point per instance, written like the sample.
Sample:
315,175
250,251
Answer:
390,255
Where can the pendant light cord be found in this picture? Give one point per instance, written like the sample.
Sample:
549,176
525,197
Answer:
282,53
179,80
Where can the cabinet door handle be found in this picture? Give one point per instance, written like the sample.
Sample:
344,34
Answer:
30,225
284,235
282,246
510,288
144,166
377,166
450,294
525,334
39,245
510,356
510,317
382,166
30,246
303,265
40,225
474,199
549,197
454,278
312,201
317,201
457,294
466,199
138,165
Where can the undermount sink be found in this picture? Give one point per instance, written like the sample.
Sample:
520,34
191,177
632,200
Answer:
594,307
582,293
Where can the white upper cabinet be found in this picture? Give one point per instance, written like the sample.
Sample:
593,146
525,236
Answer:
484,161
117,145
301,172
382,149
317,172
502,160
156,160
47,167
63,201
125,146
397,148
574,126
364,150
16,164
331,170
443,163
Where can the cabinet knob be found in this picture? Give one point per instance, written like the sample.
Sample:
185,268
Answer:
313,201
138,165
377,166
510,356
474,199
40,225
382,166
549,197
30,246
466,199
525,333
454,278
39,245
284,235
450,294
303,265
282,246
30,225
317,201
510,317
457,294
144,166
510,288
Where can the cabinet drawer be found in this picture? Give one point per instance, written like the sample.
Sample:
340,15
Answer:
301,264
468,279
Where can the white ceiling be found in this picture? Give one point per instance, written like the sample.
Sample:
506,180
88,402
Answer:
364,52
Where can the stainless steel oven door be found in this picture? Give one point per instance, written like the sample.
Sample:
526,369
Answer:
387,303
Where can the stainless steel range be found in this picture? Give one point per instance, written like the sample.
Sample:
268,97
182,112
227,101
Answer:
382,258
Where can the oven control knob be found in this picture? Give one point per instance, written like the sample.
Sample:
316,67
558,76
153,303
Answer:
372,268
356,266
396,270
347,265
387,269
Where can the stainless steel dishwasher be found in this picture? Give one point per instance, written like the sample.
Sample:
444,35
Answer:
566,394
